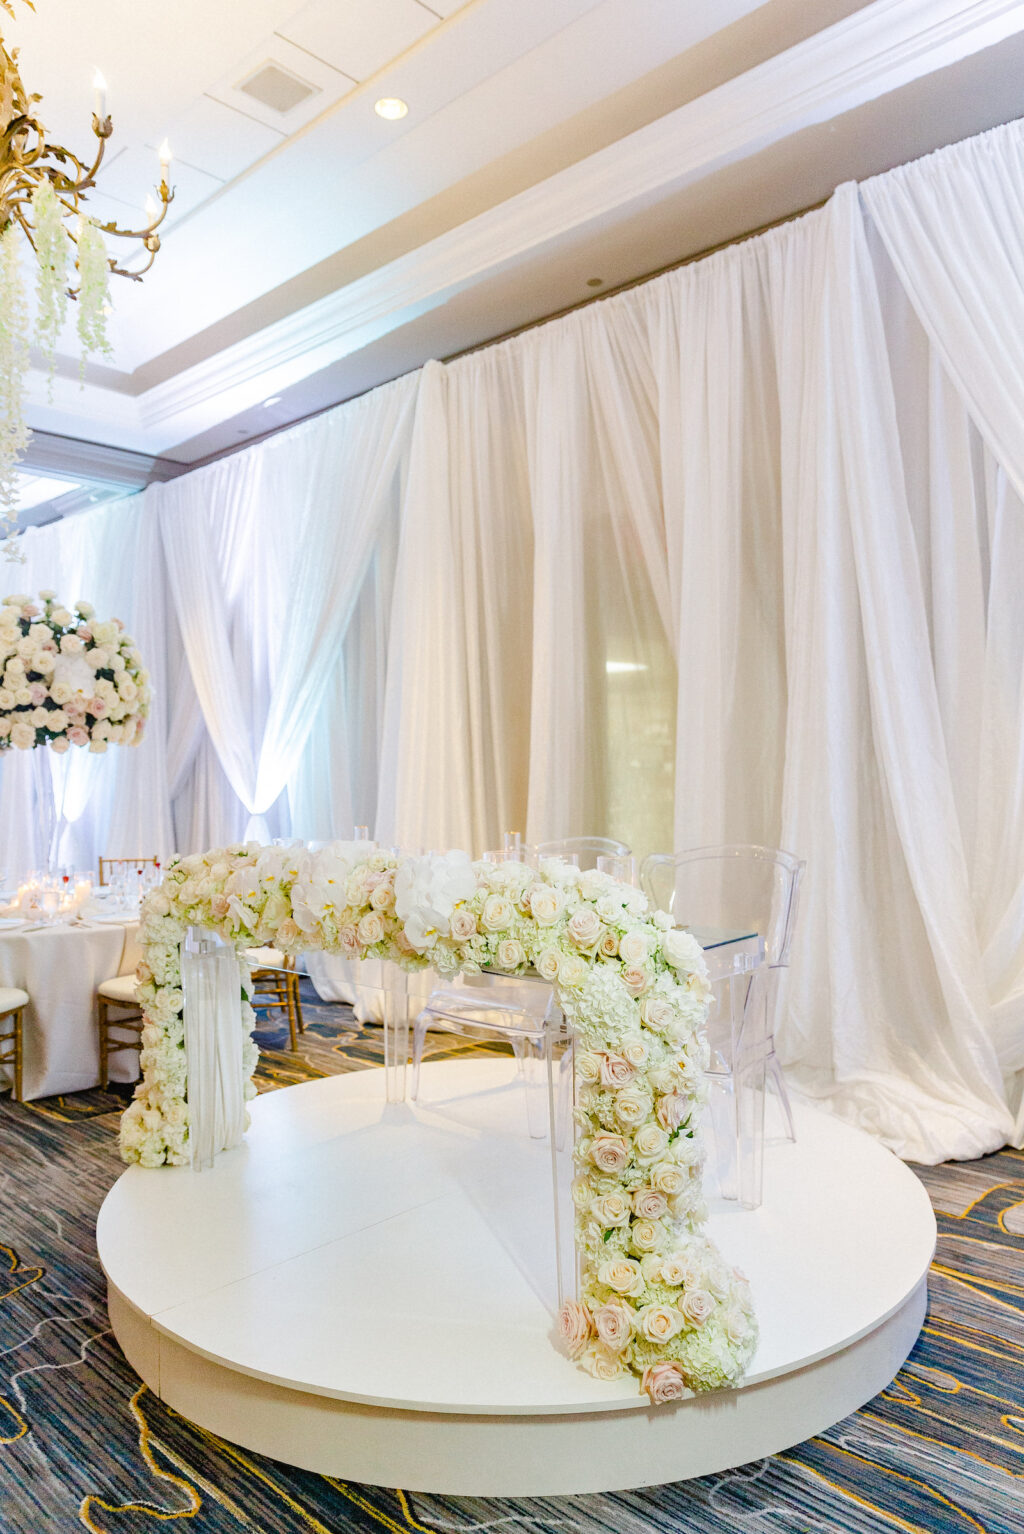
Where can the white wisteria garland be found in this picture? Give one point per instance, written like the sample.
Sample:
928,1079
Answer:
656,1298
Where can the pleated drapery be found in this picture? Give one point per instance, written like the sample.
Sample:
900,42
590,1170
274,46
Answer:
734,556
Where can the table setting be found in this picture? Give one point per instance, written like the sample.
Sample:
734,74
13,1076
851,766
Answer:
61,936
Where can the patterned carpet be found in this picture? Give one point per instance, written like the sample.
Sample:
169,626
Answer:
84,1445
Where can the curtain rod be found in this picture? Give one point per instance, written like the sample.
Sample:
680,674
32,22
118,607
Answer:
638,282
508,335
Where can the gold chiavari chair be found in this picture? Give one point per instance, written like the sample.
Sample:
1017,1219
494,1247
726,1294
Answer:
12,1006
121,1032
136,865
275,983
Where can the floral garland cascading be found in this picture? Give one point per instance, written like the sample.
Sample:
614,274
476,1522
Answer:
52,270
657,1300
67,680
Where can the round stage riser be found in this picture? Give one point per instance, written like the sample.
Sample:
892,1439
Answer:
518,1455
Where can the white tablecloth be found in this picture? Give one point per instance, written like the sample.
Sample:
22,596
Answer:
60,968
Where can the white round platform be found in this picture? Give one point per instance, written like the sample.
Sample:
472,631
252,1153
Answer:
368,1291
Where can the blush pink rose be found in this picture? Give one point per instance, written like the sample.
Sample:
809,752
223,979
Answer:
616,1072
635,978
608,1152
575,1327
585,927
463,924
663,1382
614,1324
78,736
696,1305
673,1110
348,943
37,692
649,1204
96,707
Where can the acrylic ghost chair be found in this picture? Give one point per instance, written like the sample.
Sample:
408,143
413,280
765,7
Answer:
521,1012
737,892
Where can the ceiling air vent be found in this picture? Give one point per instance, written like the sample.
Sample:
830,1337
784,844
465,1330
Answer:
277,88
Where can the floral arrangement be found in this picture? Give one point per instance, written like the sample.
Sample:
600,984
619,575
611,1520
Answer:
656,1298
66,679
53,271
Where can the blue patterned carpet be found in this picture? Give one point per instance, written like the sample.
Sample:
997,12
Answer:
84,1445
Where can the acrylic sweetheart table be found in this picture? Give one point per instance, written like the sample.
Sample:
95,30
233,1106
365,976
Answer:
60,967
408,1249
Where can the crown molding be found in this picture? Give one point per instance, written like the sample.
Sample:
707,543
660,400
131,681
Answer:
870,53
118,467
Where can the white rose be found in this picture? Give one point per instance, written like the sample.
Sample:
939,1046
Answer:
371,928
659,1323
545,904
632,1107
585,927
650,1141
610,1210
623,1274
547,964
497,913
510,954
668,1178
597,1361
682,950
588,1065
633,948
645,1234
572,970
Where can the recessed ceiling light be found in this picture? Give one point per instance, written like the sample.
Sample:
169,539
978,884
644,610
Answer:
390,107
275,399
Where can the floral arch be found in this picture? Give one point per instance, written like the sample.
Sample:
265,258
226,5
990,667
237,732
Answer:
656,1298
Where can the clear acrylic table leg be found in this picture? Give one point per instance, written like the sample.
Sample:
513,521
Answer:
396,1031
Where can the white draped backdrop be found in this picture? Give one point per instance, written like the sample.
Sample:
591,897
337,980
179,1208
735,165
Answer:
735,556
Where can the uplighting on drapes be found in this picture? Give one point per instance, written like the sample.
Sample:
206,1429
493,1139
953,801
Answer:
266,557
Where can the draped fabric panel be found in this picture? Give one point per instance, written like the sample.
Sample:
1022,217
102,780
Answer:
953,224
266,558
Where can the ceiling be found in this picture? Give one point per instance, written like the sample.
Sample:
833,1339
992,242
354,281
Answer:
553,149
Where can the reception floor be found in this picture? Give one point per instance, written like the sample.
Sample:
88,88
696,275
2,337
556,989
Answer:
84,1445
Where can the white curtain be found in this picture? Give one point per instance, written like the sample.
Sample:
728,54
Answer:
266,553
953,224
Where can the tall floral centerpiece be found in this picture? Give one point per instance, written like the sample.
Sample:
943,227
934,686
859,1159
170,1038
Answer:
67,679
657,1300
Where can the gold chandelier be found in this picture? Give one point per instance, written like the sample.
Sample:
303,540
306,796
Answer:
27,159
43,188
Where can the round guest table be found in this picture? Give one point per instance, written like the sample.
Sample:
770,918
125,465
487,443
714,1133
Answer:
367,1290
60,967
